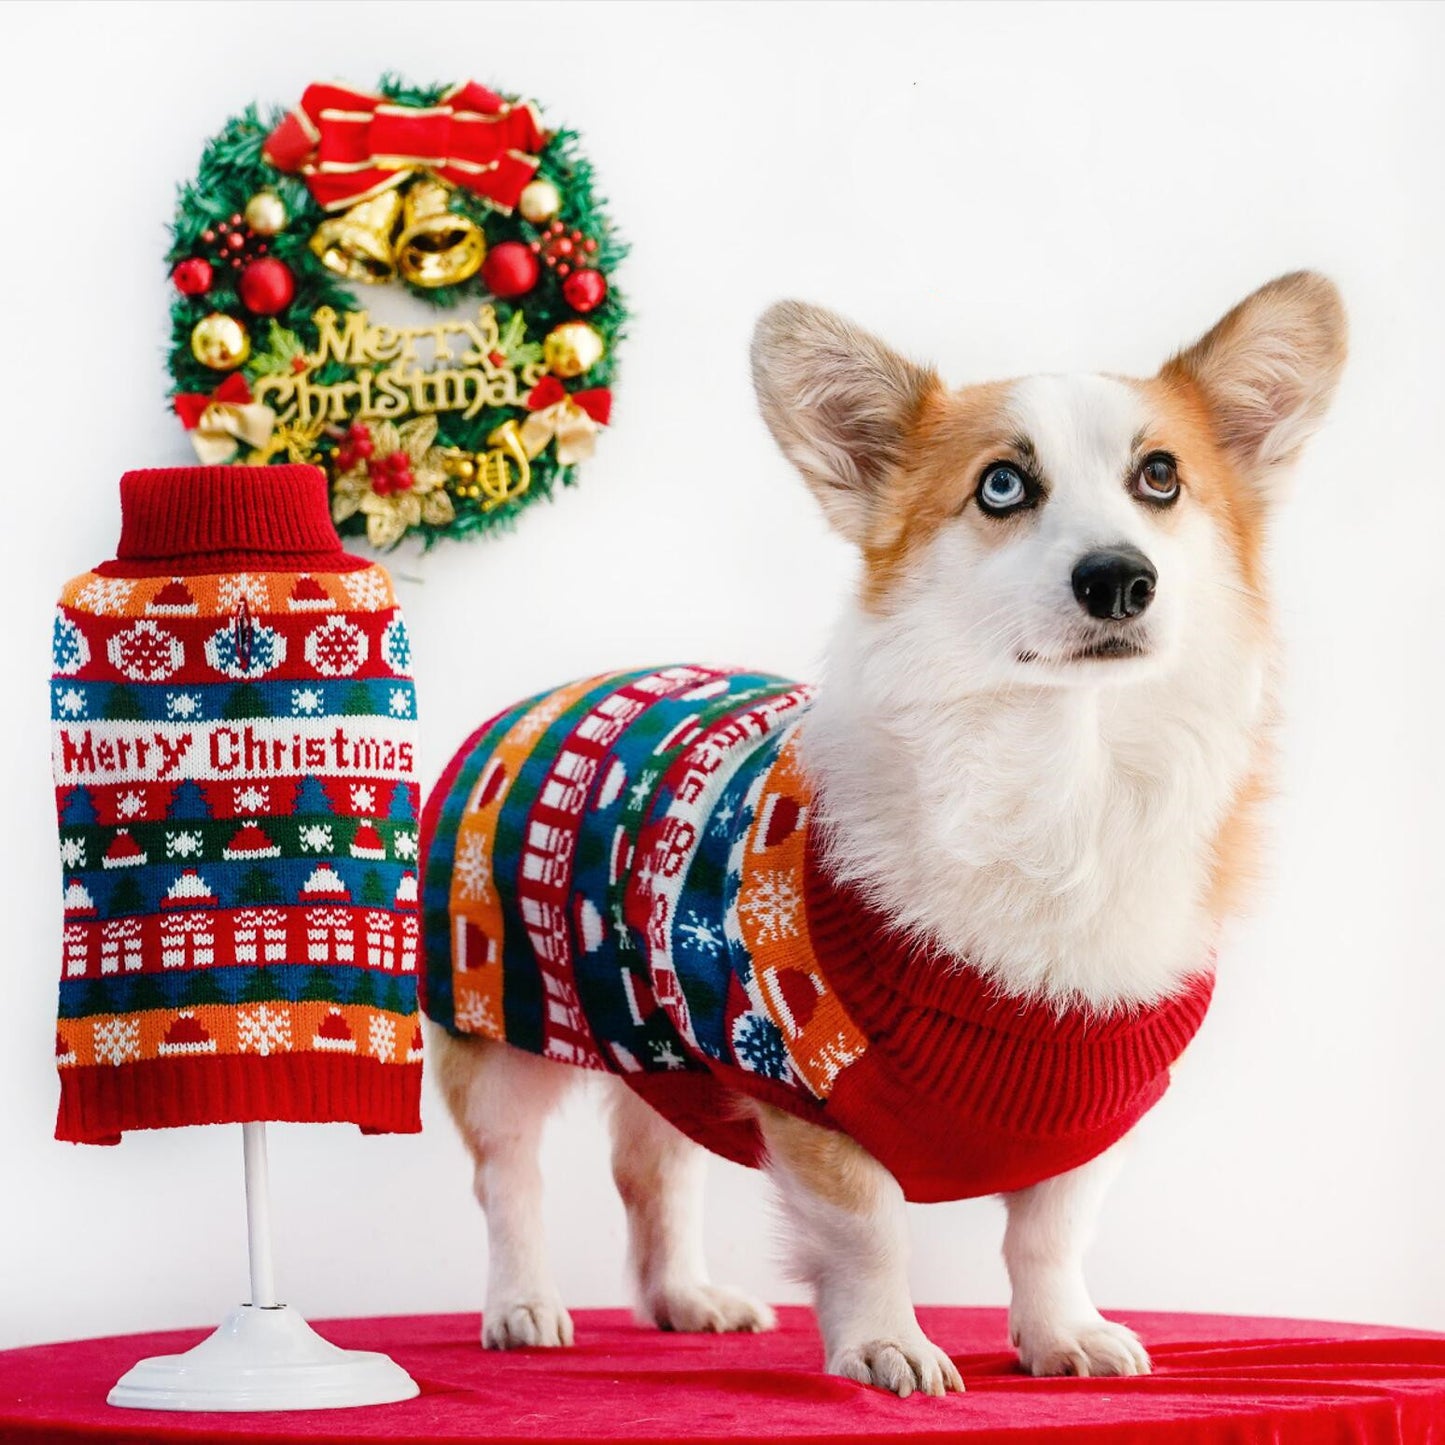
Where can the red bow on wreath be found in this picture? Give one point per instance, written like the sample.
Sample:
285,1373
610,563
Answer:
572,418
221,422
348,145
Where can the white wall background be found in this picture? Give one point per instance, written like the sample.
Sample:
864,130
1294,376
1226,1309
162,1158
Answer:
1002,188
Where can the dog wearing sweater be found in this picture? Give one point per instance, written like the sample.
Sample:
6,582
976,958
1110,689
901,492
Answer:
936,930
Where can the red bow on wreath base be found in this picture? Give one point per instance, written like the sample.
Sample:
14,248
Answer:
221,422
348,145
572,418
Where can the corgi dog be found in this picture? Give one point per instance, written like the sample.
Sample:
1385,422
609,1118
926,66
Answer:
936,929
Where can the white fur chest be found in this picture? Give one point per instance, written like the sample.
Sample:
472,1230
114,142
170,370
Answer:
1061,841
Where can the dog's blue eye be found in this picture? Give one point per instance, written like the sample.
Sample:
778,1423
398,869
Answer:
1002,489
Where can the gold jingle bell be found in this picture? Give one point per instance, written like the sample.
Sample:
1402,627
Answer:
220,342
357,244
572,348
437,247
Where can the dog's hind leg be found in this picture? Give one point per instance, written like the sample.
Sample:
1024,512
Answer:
500,1098
659,1174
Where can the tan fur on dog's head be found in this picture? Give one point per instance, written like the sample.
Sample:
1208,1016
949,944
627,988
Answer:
893,455
1095,539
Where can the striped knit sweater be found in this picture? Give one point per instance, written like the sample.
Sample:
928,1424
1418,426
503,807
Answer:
621,875
234,754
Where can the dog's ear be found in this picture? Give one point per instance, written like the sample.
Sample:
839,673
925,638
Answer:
839,403
1267,371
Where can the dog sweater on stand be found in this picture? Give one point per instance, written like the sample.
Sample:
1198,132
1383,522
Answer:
234,757
621,874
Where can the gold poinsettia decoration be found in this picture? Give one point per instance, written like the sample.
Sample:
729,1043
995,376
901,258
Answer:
394,476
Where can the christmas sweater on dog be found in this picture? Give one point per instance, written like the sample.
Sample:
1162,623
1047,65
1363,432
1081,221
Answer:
234,753
621,875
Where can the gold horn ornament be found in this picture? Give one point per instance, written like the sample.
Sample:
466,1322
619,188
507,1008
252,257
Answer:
357,244
437,247
493,477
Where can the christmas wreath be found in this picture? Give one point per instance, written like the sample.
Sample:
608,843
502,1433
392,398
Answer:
458,194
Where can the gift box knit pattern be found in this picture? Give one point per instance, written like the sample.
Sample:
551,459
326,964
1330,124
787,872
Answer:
234,755
622,874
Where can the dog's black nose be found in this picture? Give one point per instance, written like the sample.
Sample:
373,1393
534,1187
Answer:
1118,583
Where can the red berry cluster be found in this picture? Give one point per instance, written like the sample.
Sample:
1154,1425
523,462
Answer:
265,285
391,473
561,249
356,446
388,474
234,241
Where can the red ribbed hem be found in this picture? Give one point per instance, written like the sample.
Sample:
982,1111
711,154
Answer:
1007,1063
98,1103
199,519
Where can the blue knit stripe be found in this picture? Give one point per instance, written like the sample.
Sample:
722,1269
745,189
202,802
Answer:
81,702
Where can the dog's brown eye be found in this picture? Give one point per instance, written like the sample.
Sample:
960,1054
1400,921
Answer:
1158,479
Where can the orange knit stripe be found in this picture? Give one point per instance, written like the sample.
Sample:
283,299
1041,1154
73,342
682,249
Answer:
827,1040
368,589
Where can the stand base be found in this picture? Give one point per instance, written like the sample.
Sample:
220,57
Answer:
263,1359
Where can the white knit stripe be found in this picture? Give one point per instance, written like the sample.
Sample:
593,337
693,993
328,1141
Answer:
707,769
157,752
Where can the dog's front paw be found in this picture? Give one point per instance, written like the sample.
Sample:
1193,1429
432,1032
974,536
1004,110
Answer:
708,1308
513,1324
901,1365
1087,1347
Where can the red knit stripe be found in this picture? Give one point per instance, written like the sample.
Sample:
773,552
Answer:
98,1103
222,516
1009,1062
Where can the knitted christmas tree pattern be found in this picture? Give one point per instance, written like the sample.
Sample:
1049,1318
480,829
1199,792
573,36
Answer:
621,875
234,758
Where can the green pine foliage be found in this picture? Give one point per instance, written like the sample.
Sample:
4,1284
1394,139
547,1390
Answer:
232,170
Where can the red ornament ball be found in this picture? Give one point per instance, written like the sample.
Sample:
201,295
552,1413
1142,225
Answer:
585,290
266,286
510,270
192,276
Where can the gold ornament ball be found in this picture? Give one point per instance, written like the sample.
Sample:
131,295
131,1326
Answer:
266,213
540,201
572,348
220,342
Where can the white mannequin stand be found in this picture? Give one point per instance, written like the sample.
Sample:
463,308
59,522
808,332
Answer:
263,1356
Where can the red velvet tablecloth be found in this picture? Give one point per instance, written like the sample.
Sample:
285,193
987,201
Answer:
1215,1379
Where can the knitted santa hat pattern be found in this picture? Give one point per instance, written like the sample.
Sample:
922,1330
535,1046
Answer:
234,755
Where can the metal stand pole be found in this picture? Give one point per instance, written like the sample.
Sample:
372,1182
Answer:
263,1356
258,1218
